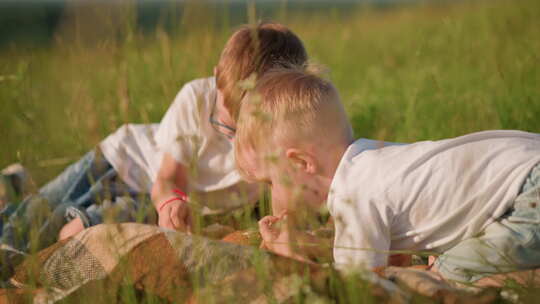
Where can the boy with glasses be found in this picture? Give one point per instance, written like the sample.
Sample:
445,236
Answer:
188,155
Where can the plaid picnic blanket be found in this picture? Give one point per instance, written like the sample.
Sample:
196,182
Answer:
104,263
129,262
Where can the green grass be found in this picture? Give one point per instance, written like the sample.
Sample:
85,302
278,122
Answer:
414,72
405,74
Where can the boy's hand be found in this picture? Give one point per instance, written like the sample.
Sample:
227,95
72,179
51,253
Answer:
171,178
175,215
275,235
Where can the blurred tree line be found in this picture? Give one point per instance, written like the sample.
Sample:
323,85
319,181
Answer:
35,22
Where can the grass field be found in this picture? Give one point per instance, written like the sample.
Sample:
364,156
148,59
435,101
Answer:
409,73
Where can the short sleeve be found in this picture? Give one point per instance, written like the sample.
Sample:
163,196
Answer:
179,130
362,235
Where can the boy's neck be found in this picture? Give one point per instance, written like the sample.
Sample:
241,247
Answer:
334,156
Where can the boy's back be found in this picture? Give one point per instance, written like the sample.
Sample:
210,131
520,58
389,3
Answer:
427,195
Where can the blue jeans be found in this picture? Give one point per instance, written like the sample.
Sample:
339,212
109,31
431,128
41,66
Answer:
511,243
79,191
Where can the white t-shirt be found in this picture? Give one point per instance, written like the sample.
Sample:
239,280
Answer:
135,150
424,196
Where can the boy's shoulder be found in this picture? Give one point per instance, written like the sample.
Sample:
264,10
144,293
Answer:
382,163
363,147
360,162
201,84
365,144
384,149
195,95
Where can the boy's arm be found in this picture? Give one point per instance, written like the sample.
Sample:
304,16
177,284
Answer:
173,213
362,235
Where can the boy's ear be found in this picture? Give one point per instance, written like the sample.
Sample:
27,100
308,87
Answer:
302,160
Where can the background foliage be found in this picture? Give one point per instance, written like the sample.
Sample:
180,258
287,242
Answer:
406,72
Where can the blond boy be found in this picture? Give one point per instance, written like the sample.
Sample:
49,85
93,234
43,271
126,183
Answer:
473,199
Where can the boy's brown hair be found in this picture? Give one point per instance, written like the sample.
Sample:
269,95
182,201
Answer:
287,107
250,52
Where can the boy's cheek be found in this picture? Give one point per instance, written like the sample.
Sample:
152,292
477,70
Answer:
313,197
283,196
318,204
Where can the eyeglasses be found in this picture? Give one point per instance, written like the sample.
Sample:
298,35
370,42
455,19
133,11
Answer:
219,127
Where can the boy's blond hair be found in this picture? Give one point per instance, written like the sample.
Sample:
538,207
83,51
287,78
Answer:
288,107
250,52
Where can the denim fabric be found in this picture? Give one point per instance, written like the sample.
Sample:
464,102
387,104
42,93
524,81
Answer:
77,192
511,243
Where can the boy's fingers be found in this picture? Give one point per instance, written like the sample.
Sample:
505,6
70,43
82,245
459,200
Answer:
176,220
264,228
166,221
268,220
178,216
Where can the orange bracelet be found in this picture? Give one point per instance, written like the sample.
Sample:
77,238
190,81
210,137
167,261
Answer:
177,198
